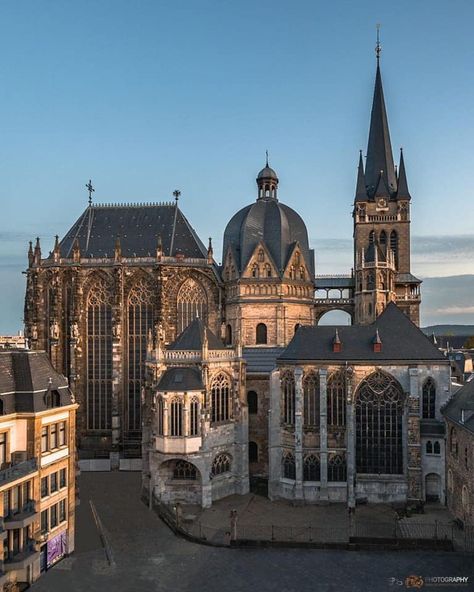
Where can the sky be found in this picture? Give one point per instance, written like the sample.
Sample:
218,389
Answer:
148,96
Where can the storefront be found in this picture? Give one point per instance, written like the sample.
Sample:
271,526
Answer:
54,550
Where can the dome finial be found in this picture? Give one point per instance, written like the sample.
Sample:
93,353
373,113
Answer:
266,160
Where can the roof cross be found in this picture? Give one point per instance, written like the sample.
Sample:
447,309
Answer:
378,46
91,190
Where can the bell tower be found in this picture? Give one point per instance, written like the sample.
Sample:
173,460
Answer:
382,221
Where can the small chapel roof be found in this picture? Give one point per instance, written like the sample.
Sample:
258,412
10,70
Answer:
402,341
181,379
139,227
460,407
192,338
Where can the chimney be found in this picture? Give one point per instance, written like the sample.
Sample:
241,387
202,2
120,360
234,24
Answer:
377,342
336,343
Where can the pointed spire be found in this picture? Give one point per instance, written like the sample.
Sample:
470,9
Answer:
361,191
403,191
379,149
56,250
76,251
159,248
118,249
210,252
30,254
37,252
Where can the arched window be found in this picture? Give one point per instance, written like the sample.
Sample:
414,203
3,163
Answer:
394,246
255,271
140,322
261,334
453,442
292,273
288,466
370,281
99,356
429,399
253,452
429,447
288,391
268,270
184,470
302,273
221,407
252,402
311,468
160,414
194,417
191,303
371,237
176,418
436,448
383,239
311,400
228,334
336,400
221,464
379,414
261,256
337,467
297,326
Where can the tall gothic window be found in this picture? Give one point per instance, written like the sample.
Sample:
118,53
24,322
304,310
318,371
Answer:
379,416
221,404
99,357
337,470
311,399
191,303
394,246
176,418
194,417
336,400
288,465
160,413
184,470
429,399
288,390
371,237
140,321
311,468
66,332
383,239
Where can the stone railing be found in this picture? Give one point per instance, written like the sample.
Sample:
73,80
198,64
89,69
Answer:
17,471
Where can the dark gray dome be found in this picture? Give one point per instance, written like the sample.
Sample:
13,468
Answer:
272,223
267,173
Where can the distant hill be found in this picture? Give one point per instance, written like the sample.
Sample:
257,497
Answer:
449,330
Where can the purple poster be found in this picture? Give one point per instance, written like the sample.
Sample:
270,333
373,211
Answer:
56,548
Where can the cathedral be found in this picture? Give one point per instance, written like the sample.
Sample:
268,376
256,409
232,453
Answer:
219,377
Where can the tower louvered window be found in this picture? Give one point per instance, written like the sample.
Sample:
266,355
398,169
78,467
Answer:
140,321
191,304
379,414
99,357
429,399
394,246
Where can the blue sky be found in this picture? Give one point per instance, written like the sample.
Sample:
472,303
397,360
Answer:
148,96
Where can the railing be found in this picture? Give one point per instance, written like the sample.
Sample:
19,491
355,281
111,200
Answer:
338,301
17,471
28,507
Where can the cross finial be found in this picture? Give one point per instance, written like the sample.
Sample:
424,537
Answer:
90,189
176,194
378,46
266,154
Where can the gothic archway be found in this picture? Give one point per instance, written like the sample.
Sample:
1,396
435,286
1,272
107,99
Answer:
379,418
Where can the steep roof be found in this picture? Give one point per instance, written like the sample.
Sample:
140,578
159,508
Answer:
401,340
379,149
463,399
138,227
261,360
181,379
193,336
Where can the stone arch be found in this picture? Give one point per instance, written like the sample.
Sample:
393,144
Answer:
345,313
379,403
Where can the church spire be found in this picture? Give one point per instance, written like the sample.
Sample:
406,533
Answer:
379,165
403,191
361,191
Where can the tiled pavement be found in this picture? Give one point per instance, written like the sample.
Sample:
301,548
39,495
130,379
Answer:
149,557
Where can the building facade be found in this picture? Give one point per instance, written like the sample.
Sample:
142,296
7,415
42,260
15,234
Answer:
37,465
459,415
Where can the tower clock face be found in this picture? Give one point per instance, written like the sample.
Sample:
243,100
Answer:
382,202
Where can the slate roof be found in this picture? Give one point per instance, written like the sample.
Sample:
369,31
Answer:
138,227
401,340
181,379
261,360
432,427
407,278
333,282
193,336
25,377
462,399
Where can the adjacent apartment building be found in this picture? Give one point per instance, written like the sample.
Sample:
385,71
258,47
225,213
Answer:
37,466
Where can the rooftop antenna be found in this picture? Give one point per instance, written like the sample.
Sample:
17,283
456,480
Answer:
91,190
378,46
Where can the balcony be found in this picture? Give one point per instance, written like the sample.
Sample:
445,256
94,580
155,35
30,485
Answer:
17,471
21,559
21,517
